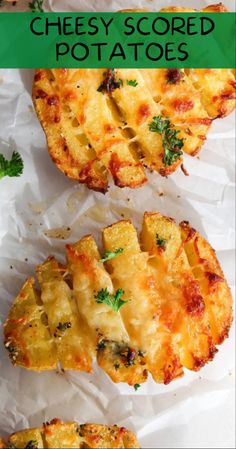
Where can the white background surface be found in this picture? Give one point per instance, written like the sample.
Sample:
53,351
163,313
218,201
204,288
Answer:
196,411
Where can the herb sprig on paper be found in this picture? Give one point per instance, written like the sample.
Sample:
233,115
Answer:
36,6
108,255
12,167
172,144
114,301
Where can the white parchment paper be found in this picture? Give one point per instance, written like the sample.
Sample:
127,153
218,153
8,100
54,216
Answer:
196,411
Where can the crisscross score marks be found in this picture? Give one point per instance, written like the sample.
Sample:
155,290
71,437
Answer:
182,305
138,108
217,90
92,133
142,314
74,349
106,326
178,307
179,100
214,288
58,434
102,128
89,277
67,145
216,86
27,337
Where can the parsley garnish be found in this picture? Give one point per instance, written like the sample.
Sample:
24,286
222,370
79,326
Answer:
32,444
108,255
114,301
61,329
161,242
137,386
171,143
133,83
64,326
11,168
36,6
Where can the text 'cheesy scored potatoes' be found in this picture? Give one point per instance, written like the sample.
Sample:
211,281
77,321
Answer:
81,26
59,434
155,304
120,123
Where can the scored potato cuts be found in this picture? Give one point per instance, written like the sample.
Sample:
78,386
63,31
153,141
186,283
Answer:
118,122
154,305
59,434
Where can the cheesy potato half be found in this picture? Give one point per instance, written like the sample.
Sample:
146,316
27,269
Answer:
120,122
59,434
154,304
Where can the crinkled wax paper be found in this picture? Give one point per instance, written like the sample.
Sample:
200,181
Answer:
195,411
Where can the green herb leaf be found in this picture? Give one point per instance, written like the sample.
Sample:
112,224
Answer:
32,444
171,143
11,168
137,386
108,255
61,329
114,301
133,83
161,242
64,326
36,6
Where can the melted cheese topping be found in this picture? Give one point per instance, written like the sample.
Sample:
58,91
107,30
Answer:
179,305
58,434
97,123
142,313
101,127
74,349
27,339
90,277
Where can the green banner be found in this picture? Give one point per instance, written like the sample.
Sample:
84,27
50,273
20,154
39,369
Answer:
125,40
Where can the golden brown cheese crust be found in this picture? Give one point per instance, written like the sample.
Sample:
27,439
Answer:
58,434
178,305
97,124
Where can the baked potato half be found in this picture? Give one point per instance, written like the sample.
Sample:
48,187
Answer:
155,304
59,434
100,123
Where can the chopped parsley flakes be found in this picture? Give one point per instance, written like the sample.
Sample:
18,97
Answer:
161,243
114,301
61,328
133,83
108,255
